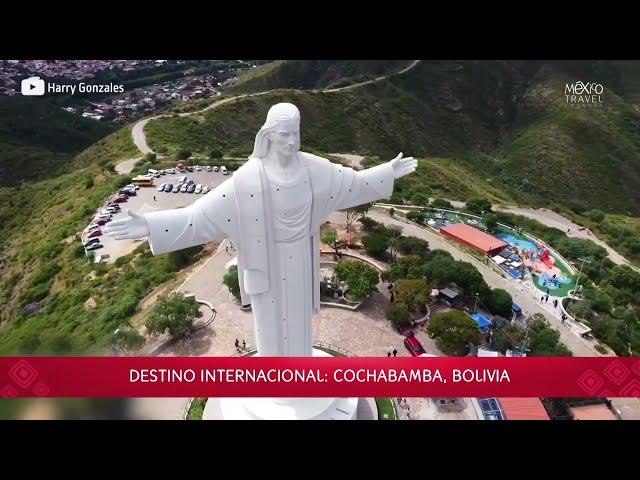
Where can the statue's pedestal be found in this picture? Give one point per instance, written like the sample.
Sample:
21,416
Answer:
282,408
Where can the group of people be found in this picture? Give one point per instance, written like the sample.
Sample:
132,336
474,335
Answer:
393,352
239,348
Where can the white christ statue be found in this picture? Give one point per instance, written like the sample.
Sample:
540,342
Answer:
272,209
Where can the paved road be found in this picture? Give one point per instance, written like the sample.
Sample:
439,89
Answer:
126,166
579,346
140,139
369,82
555,220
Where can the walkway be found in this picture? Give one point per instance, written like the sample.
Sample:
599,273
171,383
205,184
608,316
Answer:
521,296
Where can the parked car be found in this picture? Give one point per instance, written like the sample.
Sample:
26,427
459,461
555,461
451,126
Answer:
132,186
216,168
224,170
197,168
177,188
414,346
161,187
168,187
205,189
93,240
189,182
199,188
208,168
101,221
94,233
189,168
191,188
94,246
121,199
184,187
128,193
169,170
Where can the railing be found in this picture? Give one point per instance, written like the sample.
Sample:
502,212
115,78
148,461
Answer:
252,350
187,407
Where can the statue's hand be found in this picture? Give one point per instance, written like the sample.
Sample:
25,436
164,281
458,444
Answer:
403,166
135,226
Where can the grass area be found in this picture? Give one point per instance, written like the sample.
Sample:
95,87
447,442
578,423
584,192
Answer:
313,74
385,409
44,267
196,410
109,150
38,139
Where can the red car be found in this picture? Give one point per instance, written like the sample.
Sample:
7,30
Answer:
121,199
94,233
412,344
100,221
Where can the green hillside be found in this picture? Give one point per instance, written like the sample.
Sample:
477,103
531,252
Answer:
312,74
506,121
39,140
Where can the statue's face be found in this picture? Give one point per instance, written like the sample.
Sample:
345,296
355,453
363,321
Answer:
285,139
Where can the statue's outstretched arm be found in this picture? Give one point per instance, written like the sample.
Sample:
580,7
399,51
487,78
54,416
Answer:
178,228
374,183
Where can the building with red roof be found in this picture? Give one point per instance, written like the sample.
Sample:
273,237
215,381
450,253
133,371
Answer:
517,408
474,238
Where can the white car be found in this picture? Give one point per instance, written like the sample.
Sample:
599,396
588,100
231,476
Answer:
184,187
216,168
197,168
208,168
161,187
205,189
170,170
132,186
198,188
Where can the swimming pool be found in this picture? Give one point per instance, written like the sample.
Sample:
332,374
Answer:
517,242
547,281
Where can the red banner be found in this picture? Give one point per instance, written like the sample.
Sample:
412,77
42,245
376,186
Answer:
123,377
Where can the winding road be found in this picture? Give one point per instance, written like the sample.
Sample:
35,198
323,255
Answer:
140,139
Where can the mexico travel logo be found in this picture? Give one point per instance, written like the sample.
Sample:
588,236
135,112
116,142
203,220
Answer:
584,94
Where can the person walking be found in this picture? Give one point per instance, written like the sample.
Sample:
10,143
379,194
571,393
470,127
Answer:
237,345
244,344
154,198
395,352
388,354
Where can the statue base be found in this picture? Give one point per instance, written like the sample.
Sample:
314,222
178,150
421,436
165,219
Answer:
282,408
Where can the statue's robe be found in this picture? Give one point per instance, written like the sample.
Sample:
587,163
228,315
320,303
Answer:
241,208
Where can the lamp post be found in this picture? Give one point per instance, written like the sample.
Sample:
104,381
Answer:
583,260
475,306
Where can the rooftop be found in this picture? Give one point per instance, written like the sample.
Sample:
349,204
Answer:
474,237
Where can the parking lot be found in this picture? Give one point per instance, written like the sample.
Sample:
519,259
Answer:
144,202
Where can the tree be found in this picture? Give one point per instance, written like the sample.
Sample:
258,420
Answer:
330,237
417,217
413,293
467,277
454,331
215,153
419,199
396,271
500,303
361,279
413,246
183,154
375,244
150,157
478,205
232,282
174,314
353,214
392,211
441,203
394,232
398,314
544,341
127,340
491,222
596,215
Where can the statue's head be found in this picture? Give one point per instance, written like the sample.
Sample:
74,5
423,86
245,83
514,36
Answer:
280,132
